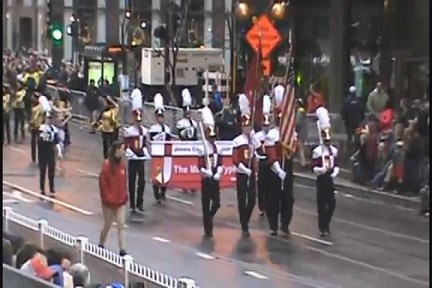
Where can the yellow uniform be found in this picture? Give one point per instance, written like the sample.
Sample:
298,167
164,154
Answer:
7,103
18,100
36,117
108,120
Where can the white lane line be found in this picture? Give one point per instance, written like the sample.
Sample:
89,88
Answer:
173,198
17,195
255,274
304,236
205,256
160,239
48,199
10,201
17,150
370,228
88,173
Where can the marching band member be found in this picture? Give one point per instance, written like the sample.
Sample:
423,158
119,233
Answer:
135,138
159,132
62,114
244,147
187,127
211,169
36,120
18,106
325,166
48,142
6,113
280,196
65,105
261,155
107,123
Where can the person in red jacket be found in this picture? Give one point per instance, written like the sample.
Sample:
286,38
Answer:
112,187
386,118
314,100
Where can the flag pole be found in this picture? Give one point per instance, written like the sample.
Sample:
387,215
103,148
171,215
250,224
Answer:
285,154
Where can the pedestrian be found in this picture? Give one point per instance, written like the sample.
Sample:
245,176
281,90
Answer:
325,165
159,132
263,168
18,109
211,170
377,100
107,123
244,147
6,113
315,99
135,138
36,120
352,114
112,188
92,103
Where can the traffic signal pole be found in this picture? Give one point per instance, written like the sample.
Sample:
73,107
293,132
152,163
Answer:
55,31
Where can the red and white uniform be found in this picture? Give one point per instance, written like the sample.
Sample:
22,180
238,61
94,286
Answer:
325,158
243,150
135,141
275,152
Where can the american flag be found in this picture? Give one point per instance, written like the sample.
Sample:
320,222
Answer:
288,109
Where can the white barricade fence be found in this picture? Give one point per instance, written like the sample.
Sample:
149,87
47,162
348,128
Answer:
105,266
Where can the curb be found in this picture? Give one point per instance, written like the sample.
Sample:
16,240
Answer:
365,193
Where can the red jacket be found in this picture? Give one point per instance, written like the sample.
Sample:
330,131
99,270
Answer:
112,185
314,101
386,118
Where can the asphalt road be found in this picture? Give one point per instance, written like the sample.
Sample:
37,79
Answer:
373,244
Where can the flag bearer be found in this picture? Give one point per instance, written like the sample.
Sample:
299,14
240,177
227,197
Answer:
211,170
135,138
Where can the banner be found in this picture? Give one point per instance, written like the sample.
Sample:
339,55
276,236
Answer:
175,164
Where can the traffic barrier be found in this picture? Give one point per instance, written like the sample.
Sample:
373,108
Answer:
14,278
105,266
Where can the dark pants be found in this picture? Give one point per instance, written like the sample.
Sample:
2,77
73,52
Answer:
326,202
263,182
19,121
159,192
246,195
136,168
280,198
210,200
47,161
108,138
67,140
33,144
6,128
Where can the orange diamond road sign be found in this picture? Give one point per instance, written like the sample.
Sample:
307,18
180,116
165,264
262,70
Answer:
266,67
270,37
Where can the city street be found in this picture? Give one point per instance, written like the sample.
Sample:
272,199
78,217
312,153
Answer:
373,244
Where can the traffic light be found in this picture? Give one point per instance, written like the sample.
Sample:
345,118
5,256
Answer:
56,34
49,13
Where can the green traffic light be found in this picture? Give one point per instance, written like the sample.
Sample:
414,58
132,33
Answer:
56,33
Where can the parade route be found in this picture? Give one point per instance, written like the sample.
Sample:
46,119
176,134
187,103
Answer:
373,244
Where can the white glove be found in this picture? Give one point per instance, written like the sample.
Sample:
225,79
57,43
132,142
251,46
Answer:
217,177
248,172
60,155
146,153
335,172
206,172
281,174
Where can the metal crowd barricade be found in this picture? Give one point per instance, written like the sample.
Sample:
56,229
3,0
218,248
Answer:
105,266
14,278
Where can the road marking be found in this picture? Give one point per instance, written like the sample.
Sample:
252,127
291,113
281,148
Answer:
88,173
17,150
173,198
162,240
328,243
256,275
370,228
17,195
10,201
205,256
48,199
115,224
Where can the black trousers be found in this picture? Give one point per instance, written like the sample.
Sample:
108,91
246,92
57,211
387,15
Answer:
6,127
263,184
136,170
210,202
326,202
280,198
19,121
33,144
246,197
108,138
47,161
159,192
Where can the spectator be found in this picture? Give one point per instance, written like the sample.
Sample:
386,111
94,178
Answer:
80,275
386,118
26,252
352,114
384,161
16,241
406,113
7,252
377,99
37,266
58,256
424,192
112,186
302,130
226,121
314,100
413,161
92,103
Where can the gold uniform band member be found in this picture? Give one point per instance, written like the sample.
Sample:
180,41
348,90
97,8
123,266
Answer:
263,168
36,120
7,98
244,148
211,169
18,106
107,124
135,138
325,165
159,132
